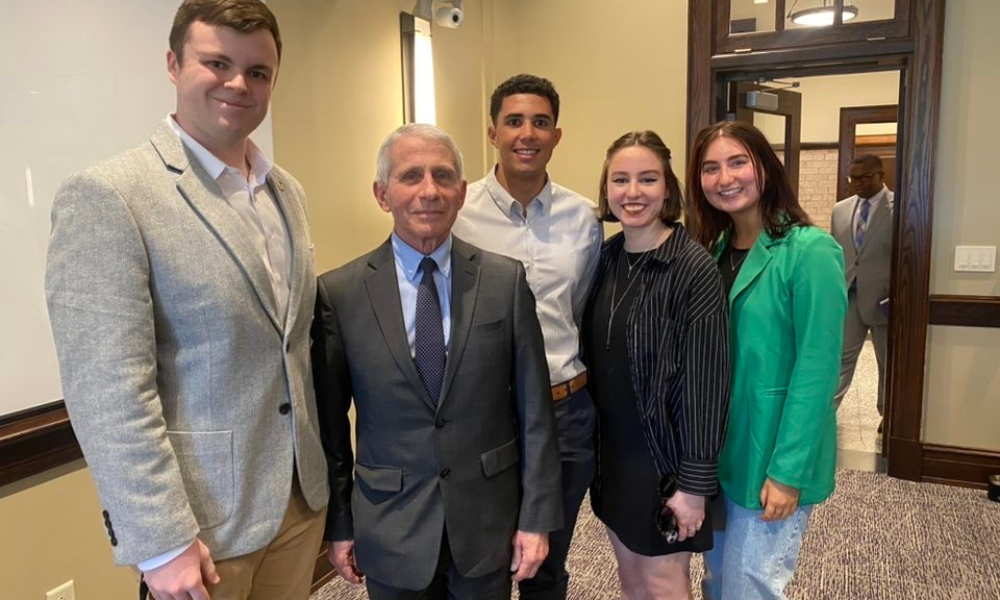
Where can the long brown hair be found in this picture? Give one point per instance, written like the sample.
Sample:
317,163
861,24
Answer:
779,208
671,210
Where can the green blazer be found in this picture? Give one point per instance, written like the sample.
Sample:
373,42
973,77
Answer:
786,326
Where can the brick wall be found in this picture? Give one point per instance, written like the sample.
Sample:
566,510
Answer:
817,184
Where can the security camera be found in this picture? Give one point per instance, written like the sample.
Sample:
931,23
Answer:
451,16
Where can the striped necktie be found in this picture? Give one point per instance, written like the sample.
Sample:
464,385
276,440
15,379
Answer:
862,224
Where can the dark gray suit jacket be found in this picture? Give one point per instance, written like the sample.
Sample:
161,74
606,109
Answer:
483,461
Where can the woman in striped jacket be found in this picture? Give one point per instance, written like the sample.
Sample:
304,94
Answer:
656,341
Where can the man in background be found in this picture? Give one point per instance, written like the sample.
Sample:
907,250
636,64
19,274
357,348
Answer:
518,211
862,224
181,287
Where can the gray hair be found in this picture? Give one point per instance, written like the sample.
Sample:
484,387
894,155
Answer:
431,133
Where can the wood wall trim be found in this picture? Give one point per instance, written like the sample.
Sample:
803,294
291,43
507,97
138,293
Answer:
912,253
323,571
41,438
953,465
699,68
36,440
965,311
845,53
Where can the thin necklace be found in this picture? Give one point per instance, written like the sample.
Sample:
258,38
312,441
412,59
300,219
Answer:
734,265
630,264
614,288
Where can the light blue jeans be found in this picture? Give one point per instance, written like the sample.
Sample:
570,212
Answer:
753,559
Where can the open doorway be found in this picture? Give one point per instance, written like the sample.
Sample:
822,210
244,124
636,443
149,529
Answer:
818,125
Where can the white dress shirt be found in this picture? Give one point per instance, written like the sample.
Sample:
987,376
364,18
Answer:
408,276
251,199
558,240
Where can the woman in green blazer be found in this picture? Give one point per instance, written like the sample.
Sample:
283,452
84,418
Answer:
785,280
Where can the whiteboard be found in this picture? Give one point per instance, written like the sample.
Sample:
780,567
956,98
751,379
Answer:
82,81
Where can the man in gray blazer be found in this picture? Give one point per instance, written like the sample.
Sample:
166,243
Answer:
457,472
862,224
181,290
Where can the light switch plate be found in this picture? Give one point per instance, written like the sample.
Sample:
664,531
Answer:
975,259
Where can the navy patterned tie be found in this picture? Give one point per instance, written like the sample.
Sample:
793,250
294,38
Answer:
862,226
429,350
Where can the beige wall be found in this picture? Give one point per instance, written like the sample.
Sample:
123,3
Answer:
962,391
331,113
824,96
617,66
53,532
339,94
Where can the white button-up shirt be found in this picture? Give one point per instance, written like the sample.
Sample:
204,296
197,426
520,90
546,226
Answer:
557,239
251,198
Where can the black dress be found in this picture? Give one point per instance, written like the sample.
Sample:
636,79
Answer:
624,495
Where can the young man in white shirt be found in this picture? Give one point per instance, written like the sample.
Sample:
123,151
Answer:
517,211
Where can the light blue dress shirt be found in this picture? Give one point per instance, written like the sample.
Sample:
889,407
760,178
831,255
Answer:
408,275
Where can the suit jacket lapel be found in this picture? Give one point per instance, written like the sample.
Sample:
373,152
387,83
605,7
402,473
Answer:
753,264
464,292
383,293
205,197
878,219
295,221
847,226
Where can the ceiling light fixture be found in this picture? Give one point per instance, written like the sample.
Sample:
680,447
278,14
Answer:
820,16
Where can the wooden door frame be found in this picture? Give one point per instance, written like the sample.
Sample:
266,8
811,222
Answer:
921,57
850,118
790,107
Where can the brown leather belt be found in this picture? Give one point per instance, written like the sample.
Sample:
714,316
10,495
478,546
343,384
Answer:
568,388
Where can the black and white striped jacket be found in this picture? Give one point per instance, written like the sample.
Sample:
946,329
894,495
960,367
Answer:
678,350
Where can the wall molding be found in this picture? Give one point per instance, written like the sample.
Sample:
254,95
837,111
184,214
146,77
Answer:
36,440
323,571
953,465
965,311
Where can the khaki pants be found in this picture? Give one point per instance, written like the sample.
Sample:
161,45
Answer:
283,569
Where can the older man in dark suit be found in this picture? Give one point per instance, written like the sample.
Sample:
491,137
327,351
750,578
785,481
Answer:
457,471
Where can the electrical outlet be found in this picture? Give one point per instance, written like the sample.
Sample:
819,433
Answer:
63,592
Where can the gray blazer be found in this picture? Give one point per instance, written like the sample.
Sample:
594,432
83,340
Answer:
870,264
484,460
191,397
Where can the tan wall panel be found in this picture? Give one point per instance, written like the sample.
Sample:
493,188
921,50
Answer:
966,206
963,387
824,96
340,93
618,66
53,532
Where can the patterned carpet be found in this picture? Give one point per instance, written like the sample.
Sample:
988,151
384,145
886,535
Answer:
877,538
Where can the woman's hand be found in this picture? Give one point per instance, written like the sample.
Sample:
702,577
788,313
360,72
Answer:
778,500
689,510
